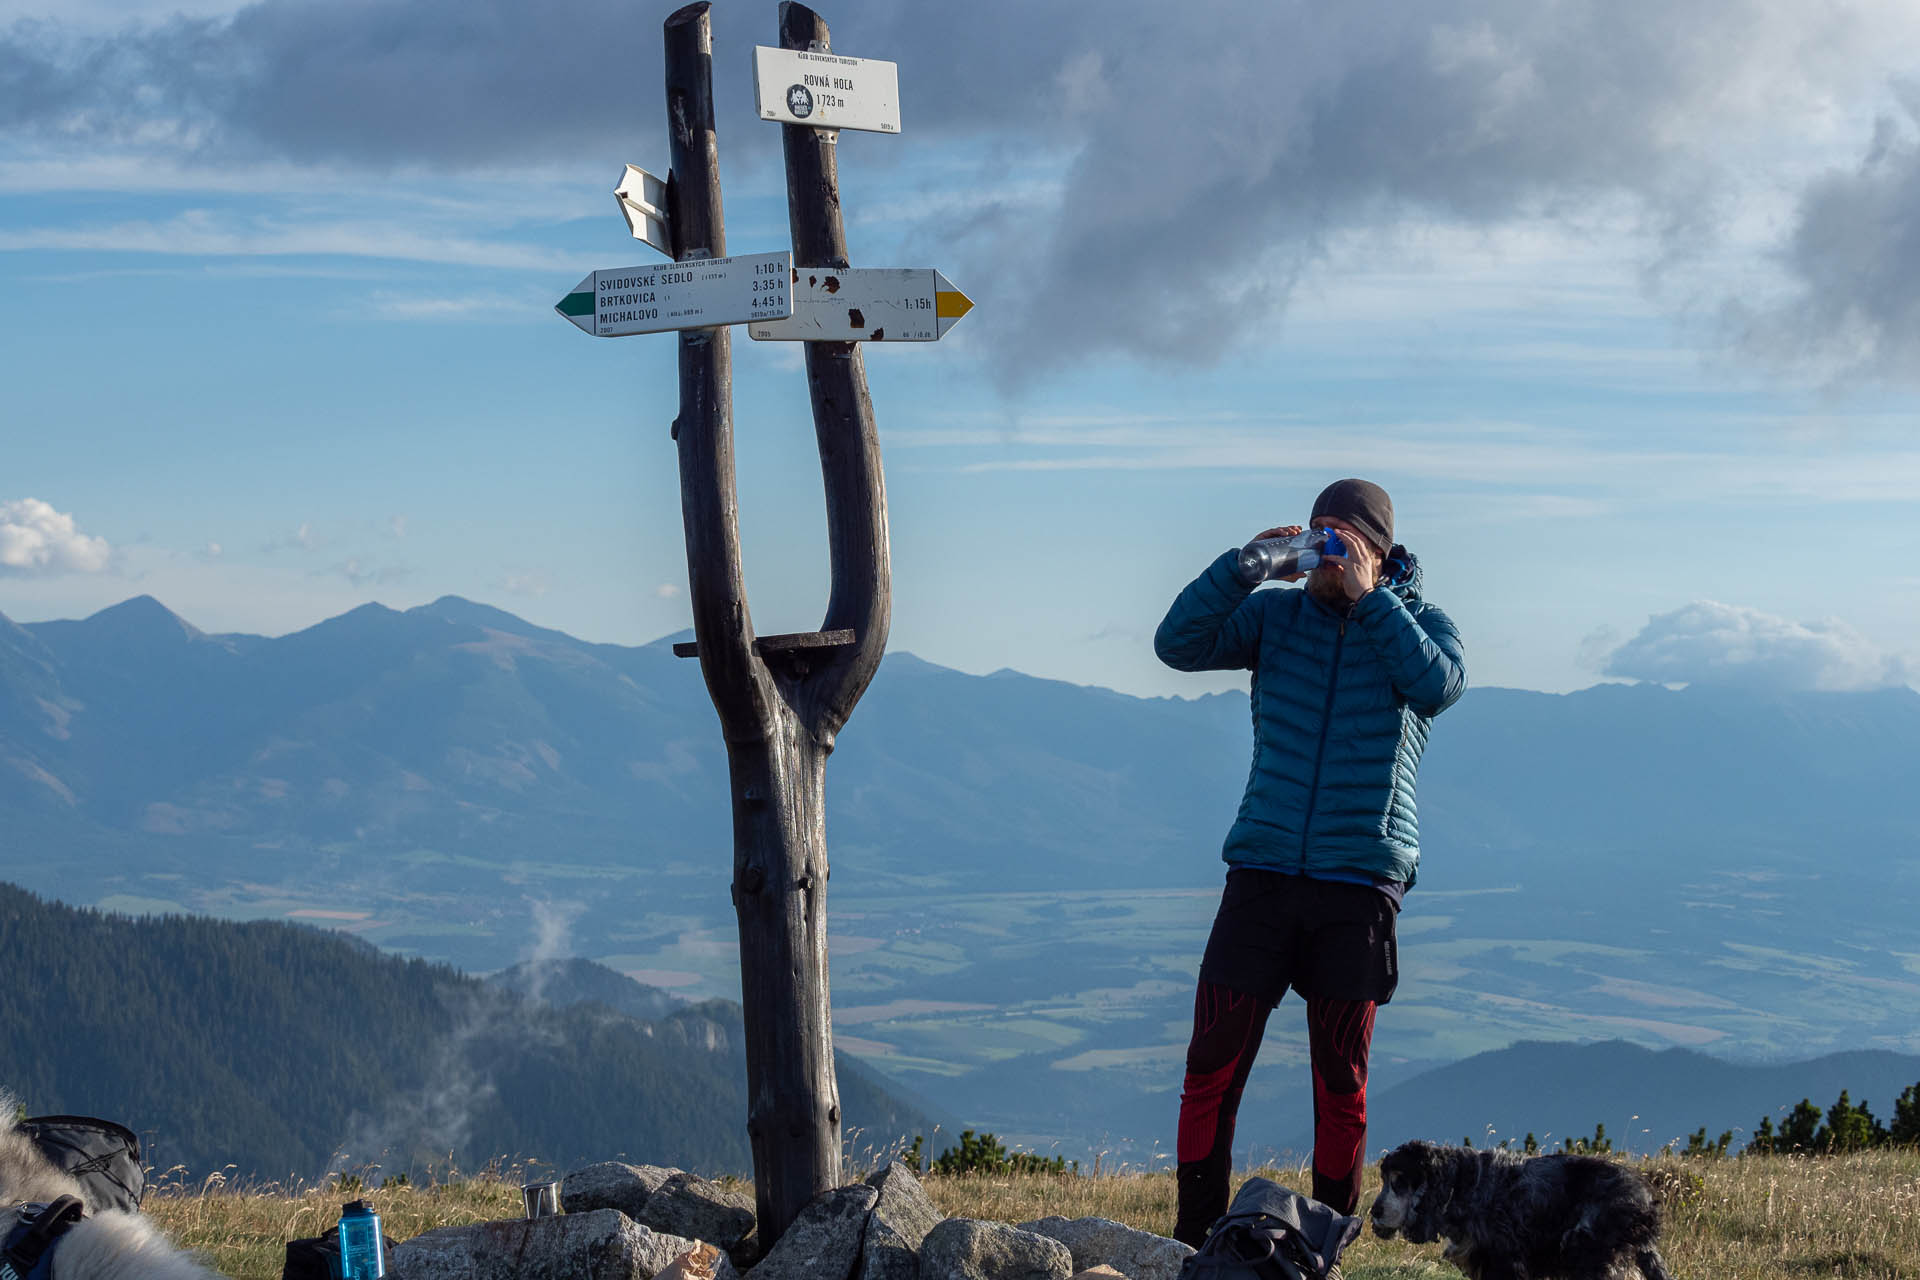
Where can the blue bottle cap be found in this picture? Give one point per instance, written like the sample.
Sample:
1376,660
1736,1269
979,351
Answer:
1334,547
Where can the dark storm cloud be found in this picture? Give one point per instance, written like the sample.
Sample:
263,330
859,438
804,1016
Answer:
443,84
438,84
1204,154
1854,256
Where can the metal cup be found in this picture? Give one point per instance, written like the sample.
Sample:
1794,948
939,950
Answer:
542,1199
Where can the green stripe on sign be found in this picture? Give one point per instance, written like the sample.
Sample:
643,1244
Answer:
576,304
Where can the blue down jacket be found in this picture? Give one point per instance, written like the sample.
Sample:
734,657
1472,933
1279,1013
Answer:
1341,711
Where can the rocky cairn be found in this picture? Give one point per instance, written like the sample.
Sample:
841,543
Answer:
641,1222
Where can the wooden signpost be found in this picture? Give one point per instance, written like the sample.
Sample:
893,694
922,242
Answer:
782,699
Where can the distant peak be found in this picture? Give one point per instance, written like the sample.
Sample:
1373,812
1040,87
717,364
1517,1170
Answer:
461,609
473,613
902,660
371,618
682,636
142,615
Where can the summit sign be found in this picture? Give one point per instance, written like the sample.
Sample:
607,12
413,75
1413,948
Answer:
825,90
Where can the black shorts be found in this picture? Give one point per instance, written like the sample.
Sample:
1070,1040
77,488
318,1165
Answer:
1325,939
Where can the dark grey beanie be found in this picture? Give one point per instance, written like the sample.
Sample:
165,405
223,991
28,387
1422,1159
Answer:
1362,504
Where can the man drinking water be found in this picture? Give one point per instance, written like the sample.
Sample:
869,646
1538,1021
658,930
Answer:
1348,674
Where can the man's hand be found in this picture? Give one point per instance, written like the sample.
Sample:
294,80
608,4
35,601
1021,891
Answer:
1285,531
1358,572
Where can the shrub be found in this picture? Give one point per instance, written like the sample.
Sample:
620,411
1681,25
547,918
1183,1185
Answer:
1700,1149
1906,1117
1598,1145
983,1153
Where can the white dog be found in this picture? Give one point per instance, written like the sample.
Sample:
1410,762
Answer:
109,1245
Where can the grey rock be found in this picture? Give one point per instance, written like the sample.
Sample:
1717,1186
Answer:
612,1185
688,1205
823,1240
599,1245
966,1249
1095,1242
901,1218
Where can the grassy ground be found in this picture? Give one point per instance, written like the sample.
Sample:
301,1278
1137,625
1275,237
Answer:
1758,1219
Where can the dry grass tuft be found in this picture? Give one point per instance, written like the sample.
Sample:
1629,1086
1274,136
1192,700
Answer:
1768,1218
243,1231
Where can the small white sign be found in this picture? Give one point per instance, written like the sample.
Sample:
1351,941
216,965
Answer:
826,90
867,304
643,203
700,293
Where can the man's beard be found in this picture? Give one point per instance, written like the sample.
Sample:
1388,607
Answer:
1324,585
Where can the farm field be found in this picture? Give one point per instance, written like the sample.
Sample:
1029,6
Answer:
1059,1018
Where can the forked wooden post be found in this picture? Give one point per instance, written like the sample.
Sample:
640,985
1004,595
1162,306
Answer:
781,699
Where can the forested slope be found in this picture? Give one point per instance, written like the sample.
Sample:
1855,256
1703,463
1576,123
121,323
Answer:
279,1048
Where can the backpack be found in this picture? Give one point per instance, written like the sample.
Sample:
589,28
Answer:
28,1251
103,1156
1271,1233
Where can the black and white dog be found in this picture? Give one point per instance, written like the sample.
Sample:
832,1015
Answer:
1511,1217
106,1245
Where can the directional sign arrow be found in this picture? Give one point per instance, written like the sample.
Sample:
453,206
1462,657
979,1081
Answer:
867,304
699,293
643,202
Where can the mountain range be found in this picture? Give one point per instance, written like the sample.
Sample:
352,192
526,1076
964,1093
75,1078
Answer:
1024,868
1645,1098
455,721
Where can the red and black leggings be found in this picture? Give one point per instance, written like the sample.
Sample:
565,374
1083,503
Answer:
1227,1027
1335,944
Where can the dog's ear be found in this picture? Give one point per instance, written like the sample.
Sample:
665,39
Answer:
1433,1168
1466,1174
1427,1164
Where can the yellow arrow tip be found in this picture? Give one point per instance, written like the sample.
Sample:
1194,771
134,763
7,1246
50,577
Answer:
951,304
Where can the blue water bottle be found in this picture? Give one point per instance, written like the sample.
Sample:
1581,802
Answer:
361,1254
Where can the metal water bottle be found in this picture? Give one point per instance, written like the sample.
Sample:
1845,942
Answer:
362,1253
1278,557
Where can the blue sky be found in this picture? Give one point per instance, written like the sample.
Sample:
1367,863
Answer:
1618,301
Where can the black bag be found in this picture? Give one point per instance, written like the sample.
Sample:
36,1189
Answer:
103,1156
318,1257
1271,1233
315,1258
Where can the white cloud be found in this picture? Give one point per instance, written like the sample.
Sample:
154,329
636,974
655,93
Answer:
533,584
473,306
666,591
37,541
301,539
198,232
1711,643
362,572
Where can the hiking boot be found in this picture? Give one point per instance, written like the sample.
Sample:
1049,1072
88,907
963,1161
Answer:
1202,1197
